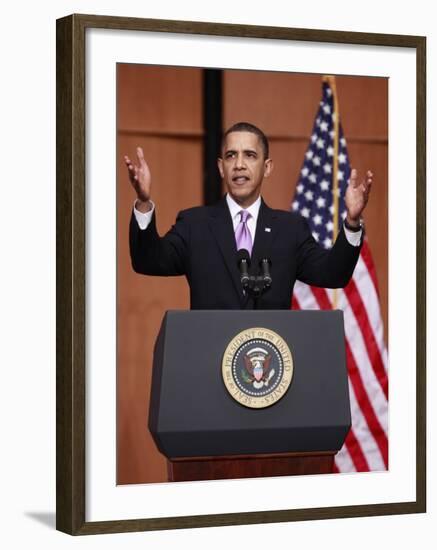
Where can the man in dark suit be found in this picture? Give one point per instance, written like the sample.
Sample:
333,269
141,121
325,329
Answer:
203,243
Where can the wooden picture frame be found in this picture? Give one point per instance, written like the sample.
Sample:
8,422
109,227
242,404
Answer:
71,273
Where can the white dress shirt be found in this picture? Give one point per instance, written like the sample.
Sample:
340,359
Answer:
144,218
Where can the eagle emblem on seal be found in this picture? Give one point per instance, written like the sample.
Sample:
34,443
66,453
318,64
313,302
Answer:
257,368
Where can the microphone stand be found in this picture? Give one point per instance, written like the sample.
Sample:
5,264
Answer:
253,285
256,285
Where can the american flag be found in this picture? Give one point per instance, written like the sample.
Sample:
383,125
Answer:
319,198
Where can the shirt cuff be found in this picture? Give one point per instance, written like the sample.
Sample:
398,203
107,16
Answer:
353,237
144,218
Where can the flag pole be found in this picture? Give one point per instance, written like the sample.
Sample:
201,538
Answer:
335,195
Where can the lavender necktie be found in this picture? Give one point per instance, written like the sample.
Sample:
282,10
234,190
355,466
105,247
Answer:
242,233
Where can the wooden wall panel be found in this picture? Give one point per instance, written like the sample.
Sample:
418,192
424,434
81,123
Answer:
364,108
284,104
159,100
281,104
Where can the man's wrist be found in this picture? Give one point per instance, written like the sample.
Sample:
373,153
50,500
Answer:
353,224
143,206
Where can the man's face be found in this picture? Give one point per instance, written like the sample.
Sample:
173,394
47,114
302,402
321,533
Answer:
243,167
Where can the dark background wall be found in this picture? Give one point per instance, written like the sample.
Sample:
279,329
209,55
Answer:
160,109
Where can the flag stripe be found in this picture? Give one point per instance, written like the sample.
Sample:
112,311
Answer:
355,452
360,313
366,289
367,259
343,461
321,297
365,438
354,337
368,445
366,406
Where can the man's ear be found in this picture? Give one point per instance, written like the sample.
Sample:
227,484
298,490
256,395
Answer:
268,167
220,167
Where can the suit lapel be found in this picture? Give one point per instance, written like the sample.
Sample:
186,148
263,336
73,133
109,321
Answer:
221,226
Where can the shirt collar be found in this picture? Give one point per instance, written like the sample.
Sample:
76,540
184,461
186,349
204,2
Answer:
235,208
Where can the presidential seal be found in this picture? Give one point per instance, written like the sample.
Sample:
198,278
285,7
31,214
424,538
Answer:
257,367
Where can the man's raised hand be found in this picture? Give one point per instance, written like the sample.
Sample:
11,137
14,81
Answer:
357,195
140,178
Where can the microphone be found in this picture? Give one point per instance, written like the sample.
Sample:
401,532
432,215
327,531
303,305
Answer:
265,264
243,260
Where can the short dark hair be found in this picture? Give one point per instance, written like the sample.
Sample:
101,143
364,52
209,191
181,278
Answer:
248,127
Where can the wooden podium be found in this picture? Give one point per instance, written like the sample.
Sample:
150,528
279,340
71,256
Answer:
241,466
206,434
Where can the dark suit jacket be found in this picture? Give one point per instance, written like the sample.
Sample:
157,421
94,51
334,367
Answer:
201,245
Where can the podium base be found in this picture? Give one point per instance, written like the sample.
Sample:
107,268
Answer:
242,466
